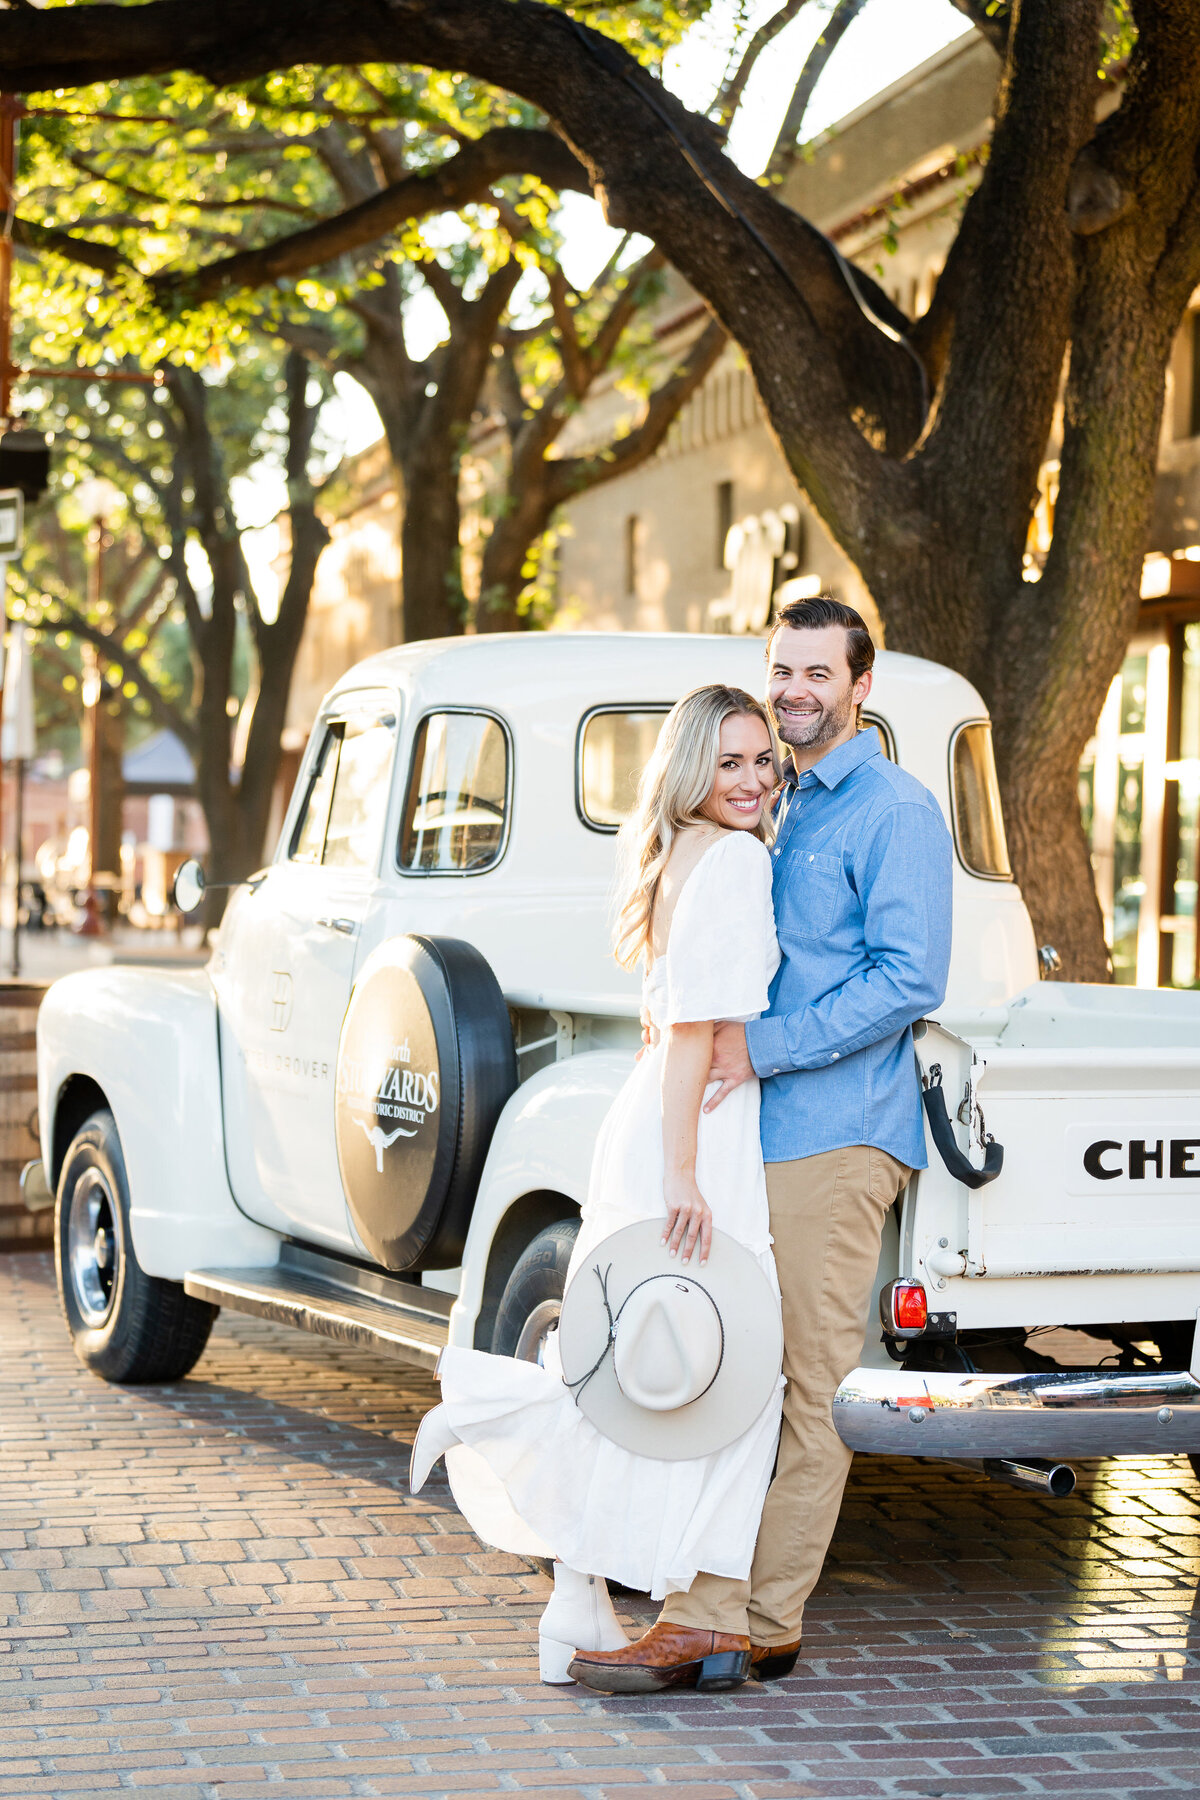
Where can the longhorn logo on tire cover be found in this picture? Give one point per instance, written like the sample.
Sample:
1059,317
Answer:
407,1153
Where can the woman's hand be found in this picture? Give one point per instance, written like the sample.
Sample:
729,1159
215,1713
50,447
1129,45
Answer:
689,1219
686,1062
649,1034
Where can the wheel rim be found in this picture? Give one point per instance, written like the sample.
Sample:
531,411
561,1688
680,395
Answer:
531,1345
93,1247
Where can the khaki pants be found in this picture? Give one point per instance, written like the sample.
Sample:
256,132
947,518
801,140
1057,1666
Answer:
827,1215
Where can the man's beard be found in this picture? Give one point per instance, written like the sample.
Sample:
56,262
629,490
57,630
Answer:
820,727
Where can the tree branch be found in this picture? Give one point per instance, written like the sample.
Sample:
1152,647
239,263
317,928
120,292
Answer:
86,251
603,346
259,202
574,358
1008,333
162,709
130,620
350,168
787,143
461,179
1147,153
656,168
991,24
311,340
730,96
118,590
302,494
575,474
442,286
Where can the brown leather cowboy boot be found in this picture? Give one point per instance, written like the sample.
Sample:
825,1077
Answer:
667,1656
771,1662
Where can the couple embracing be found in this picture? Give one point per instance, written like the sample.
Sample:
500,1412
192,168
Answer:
740,1183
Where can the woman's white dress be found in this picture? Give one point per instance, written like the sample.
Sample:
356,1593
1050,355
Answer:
531,1473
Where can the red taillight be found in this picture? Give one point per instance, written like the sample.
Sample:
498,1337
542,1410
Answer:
909,1307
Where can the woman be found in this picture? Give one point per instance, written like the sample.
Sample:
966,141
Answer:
527,1470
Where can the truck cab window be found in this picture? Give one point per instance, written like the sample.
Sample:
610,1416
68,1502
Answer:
360,796
882,730
614,746
978,820
342,820
456,809
308,839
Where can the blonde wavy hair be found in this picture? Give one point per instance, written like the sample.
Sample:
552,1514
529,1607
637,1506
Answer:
675,783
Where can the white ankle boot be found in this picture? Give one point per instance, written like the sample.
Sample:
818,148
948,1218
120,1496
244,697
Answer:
580,1616
435,1436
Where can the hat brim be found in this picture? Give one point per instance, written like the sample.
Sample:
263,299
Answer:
750,1364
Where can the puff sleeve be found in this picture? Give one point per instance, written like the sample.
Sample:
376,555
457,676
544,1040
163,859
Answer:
722,952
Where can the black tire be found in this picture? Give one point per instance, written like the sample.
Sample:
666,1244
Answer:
532,1297
1194,1459
126,1326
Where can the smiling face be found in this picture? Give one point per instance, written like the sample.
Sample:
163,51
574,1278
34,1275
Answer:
810,691
745,774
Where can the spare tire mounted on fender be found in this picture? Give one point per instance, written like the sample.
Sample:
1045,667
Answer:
425,1066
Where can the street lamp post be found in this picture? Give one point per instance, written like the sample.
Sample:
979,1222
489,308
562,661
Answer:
94,497
93,921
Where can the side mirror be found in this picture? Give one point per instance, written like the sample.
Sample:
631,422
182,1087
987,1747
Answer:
187,889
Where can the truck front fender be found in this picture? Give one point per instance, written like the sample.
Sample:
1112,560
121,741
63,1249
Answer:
541,1153
144,1043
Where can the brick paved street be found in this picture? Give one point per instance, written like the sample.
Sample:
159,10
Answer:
221,1590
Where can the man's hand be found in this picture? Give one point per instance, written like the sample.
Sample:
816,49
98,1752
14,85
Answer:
731,1063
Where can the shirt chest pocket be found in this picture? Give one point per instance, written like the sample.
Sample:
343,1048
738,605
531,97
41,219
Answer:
814,887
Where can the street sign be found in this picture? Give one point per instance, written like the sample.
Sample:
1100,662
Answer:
12,521
25,462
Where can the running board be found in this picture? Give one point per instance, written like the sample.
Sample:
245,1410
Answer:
337,1299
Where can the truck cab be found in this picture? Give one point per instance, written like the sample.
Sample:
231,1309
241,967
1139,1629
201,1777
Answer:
372,1114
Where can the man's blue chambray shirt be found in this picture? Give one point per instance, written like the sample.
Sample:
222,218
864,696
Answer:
862,908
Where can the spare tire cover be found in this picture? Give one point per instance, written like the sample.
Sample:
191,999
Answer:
425,1065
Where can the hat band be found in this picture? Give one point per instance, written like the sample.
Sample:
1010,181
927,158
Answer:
577,1386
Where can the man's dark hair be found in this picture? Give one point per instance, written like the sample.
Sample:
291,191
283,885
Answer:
815,614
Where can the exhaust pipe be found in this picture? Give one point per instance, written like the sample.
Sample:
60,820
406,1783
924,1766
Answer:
1055,1479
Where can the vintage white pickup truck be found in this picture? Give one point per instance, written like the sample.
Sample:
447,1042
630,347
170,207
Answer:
372,1114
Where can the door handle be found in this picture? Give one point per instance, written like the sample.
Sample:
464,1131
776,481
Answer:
347,927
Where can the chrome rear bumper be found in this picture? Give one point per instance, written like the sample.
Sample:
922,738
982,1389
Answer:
1069,1412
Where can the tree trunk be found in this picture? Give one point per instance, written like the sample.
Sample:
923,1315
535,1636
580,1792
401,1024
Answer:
278,643
425,410
538,484
506,552
278,647
424,457
1051,858
429,549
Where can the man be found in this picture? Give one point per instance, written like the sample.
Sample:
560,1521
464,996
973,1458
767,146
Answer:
862,907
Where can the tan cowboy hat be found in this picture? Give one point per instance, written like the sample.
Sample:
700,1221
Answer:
669,1359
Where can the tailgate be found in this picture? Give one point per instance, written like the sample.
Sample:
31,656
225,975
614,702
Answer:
1101,1162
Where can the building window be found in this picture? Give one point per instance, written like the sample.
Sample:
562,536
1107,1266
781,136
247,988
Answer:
633,550
724,518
